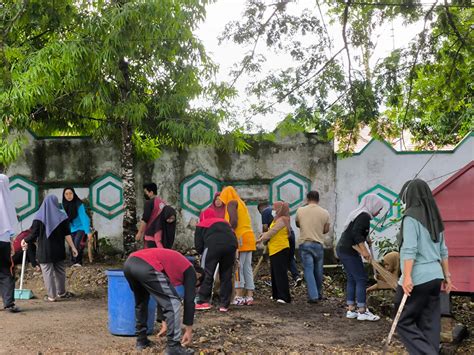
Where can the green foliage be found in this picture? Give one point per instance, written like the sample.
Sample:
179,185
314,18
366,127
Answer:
425,88
385,246
91,67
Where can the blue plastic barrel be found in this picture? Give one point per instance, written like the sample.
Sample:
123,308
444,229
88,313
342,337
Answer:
121,306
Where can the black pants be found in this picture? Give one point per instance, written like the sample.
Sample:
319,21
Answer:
419,326
79,242
225,257
30,256
144,280
279,269
7,279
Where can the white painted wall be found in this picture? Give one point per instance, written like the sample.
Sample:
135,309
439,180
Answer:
379,164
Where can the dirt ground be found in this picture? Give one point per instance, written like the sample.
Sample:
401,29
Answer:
79,325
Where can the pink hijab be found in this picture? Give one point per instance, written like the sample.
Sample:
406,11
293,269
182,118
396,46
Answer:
213,211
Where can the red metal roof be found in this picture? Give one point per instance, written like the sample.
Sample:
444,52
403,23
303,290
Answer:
455,200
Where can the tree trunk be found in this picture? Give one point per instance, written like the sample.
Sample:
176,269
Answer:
127,168
129,196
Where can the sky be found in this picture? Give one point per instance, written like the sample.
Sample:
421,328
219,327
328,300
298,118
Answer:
228,53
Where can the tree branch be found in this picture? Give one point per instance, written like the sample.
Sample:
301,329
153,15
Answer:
299,85
452,24
412,70
278,7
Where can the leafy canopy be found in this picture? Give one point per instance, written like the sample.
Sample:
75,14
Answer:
425,87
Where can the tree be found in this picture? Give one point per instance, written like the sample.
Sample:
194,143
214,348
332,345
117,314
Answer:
335,92
123,71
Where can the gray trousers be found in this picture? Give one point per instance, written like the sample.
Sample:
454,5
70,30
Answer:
54,276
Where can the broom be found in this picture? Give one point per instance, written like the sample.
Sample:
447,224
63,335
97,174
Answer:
391,280
23,294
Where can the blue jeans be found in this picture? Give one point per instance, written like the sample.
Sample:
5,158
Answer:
292,265
312,258
356,277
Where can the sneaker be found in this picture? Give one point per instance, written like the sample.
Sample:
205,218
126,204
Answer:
248,301
143,344
239,301
178,350
367,315
351,314
313,301
77,265
223,309
13,309
49,299
281,301
66,295
298,282
203,306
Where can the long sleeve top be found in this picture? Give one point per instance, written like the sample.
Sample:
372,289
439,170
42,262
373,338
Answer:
52,249
277,237
355,233
418,246
217,236
81,222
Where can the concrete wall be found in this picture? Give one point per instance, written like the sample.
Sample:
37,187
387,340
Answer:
379,169
187,180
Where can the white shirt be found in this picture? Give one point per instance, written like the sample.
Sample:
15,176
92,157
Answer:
6,237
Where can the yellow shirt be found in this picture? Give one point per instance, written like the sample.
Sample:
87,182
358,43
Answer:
279,240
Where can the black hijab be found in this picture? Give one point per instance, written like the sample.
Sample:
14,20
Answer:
169,229
421,205
71,207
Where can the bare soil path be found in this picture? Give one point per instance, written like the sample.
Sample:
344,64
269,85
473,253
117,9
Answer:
79,325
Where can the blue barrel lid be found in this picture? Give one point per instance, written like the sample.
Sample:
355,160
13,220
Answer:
114,272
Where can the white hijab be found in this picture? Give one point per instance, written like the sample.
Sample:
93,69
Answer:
8,219
370,204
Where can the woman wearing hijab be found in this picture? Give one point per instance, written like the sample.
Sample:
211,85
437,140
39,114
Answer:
279,251
215,238
8,222
356,230
424,264
50,228
238,216
215,210
161,231
79,222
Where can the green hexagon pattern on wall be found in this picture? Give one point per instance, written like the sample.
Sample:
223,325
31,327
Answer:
197,192
384,219
290,187
25,196
106,194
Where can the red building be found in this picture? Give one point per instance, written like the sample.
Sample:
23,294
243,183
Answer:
455,199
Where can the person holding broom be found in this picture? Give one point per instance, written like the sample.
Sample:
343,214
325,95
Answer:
350,248
8,222
424,265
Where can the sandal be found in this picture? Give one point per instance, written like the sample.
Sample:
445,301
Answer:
49,299
66,295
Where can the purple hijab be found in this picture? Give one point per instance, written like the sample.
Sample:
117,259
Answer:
50,215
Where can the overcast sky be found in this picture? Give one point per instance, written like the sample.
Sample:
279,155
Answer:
227,54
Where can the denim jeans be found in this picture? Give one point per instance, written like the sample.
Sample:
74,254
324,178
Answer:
356,277
292,264
312,258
